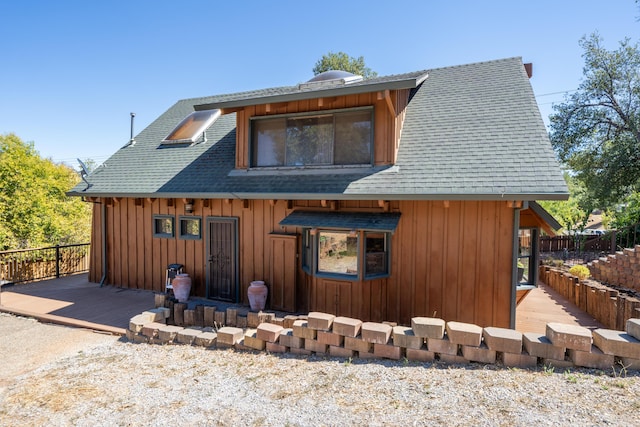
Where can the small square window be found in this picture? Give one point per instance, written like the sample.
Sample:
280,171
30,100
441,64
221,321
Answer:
190,228
163,226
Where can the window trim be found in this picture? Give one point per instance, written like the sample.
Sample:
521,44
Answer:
310,114
162,235
189,236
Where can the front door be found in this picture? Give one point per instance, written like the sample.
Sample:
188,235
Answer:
222,259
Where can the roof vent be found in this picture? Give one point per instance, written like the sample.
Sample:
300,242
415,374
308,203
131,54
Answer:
331,78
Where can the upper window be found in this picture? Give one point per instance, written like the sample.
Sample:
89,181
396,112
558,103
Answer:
337,138
192,127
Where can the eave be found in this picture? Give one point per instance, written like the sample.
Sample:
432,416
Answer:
300,95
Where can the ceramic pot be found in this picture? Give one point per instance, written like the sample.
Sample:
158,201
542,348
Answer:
257,294
181,287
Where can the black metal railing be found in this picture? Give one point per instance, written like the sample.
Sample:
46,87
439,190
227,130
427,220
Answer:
28,265
581,248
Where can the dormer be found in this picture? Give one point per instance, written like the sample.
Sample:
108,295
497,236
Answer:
334,120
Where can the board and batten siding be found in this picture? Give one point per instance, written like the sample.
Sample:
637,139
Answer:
451,260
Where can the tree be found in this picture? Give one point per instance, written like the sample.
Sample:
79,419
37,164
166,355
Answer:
344,62
572,214
596,130
34,207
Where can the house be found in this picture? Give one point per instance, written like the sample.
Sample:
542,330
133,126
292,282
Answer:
381,199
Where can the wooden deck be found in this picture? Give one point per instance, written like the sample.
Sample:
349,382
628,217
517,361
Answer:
543,305
74,301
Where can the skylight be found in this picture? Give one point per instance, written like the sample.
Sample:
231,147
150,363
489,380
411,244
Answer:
192,127
330,78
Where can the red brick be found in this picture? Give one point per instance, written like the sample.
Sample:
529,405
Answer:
288,340
616,343
347,326
539,345
288,321
206,339
276,348
595,358
420,355
387,351
443,346
269,332
320,321
340,351
428,327
151,329
229,336
301,330
330,338
569,336
187,336
315,346
464,333
519,360
405,337
480,354
501,339
358,345
378,333
252,341
633,328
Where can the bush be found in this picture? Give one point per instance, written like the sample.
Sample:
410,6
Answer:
580,271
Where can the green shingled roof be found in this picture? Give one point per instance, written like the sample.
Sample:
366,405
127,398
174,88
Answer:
471,132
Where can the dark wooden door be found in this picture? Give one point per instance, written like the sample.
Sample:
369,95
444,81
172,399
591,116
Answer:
282,284
222,257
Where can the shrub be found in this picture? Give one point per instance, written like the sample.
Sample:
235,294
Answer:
580,271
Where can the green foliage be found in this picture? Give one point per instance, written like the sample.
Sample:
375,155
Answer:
572,214
580,271
344,62
34,208
596,131
628,213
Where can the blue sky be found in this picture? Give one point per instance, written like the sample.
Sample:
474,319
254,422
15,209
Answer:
72,71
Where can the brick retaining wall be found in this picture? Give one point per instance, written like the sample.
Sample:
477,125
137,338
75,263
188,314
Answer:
607,305
620,269
426,340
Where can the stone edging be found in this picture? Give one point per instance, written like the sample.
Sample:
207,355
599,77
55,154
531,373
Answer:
428,339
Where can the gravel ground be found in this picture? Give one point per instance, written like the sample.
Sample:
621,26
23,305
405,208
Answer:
102,380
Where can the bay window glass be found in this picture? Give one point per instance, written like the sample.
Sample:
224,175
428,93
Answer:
337,253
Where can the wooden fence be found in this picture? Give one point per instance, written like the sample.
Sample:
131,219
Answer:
27,265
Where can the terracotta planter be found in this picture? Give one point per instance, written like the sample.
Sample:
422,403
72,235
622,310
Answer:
182,287
257,294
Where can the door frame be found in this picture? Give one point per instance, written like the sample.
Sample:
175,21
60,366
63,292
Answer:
236,255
